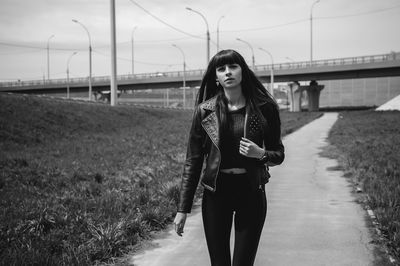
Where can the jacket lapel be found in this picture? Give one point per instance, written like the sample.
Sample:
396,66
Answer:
210,123
253,128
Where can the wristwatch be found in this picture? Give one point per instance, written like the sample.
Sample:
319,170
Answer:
264,157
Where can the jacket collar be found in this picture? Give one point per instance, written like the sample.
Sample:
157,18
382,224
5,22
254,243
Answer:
209,104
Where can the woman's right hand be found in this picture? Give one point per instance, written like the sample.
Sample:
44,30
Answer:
179,222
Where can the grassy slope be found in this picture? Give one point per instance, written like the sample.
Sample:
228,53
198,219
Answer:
368,145
82,182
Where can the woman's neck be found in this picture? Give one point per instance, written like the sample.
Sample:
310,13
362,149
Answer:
235,98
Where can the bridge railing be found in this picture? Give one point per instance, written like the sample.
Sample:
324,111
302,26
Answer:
200,72
172,74
330,62
101,79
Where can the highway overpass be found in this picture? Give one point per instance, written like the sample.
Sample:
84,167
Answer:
384,65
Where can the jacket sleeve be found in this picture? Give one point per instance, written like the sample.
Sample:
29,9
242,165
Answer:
193,164
275,151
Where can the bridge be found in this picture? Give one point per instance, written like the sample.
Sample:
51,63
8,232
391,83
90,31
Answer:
383,65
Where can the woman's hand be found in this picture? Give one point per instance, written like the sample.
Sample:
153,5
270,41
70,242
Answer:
179,222
250,149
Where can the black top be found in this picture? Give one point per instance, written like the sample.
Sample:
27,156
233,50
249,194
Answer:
230,141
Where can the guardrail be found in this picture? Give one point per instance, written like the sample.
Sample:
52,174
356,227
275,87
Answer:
332,62
200,72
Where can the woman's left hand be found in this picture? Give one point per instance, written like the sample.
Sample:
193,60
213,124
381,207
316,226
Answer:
250,149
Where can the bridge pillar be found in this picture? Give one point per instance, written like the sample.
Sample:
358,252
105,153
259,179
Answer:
313,93
296,92
295,96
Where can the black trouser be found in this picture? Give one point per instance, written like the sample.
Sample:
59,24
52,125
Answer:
234,199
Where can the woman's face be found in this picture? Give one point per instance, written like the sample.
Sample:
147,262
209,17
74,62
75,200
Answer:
229,75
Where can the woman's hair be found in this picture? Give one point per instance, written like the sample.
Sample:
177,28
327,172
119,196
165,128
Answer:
252,89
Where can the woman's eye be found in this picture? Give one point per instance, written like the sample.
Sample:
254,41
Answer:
221,69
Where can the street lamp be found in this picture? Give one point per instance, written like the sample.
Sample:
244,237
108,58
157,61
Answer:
133,62
90,58
272,70
113,41
208,33
48,58
252,51
69,59
184,74
311,31
218,32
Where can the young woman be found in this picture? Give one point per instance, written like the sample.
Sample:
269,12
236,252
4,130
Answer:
235,136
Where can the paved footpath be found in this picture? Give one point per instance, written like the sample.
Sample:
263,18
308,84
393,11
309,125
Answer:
312,218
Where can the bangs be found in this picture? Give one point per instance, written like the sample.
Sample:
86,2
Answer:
227,57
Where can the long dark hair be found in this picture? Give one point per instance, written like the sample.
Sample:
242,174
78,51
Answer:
252,89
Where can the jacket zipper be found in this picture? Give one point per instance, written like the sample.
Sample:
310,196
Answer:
216,176
246,116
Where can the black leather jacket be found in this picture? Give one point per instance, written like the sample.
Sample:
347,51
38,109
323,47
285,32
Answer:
203,146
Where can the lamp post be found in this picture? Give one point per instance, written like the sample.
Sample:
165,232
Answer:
252,51
208,33
184,74
311,31
218,32
90,58
133,62
113,40
272,70
69,59
48,57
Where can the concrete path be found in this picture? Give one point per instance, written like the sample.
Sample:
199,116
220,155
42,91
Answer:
312,215
393,104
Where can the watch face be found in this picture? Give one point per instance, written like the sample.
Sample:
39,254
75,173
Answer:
264,156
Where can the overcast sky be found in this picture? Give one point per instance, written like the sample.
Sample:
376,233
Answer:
342,28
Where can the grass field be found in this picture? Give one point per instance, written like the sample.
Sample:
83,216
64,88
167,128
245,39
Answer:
367,146
82,183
